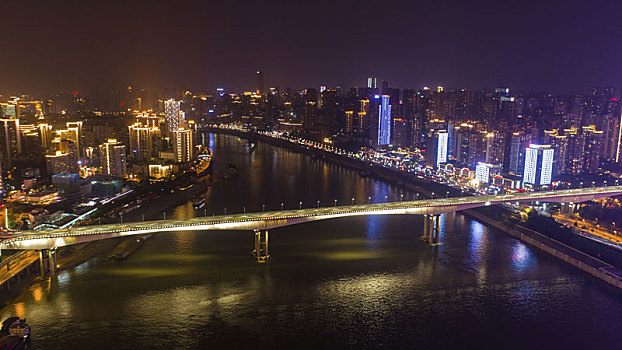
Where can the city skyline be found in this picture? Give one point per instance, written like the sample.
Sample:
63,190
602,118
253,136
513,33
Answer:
555,46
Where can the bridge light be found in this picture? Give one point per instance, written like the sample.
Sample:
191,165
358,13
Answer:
487,203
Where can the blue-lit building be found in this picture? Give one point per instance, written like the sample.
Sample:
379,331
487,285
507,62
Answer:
384,122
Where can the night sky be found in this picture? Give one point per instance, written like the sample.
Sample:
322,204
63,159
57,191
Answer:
558,46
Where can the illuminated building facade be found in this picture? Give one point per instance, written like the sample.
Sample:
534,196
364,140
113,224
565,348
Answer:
143,142
538,169
182,146
384,121
113,159
10,142
173,115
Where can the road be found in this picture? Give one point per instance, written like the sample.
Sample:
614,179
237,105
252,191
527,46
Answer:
589,228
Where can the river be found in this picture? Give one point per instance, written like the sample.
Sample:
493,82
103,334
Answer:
360,282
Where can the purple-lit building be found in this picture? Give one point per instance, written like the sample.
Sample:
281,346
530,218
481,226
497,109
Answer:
384,122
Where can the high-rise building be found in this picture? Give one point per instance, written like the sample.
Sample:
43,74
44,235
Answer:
560,144
76,127
10,110
45,134
59,163
594,148
483,172
10,142
349,127
518,142
363,122
401,132
143,142
436,152
112,155
495,147
371,83
538,170
182,147
173,115
72,134
384,122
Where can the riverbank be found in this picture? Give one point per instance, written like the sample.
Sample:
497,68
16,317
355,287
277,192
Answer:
595,267
587,263
72,256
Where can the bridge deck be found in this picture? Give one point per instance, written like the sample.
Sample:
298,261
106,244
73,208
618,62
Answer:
288,217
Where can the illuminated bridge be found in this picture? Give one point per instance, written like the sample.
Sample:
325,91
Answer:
261,222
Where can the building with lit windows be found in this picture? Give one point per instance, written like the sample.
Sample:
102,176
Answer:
182,146
10,142
60,163
158,171
349,122
113,159
143,142
436,152
45,134
483,172
173,115
538,169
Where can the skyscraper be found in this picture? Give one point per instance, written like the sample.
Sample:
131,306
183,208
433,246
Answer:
384,122
45,133
436,152
112,155
10,141
10,110
76,127
143,142
518,143
371,83
538,168
172,115
183,145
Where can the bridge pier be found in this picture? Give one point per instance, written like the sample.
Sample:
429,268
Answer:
47,262
567,209
261,245
431,228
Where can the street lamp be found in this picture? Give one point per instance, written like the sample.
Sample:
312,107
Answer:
335,202
402,197
369,200
300,205
447,195
263,207
385,198
353,201
121,215
281,205
318,204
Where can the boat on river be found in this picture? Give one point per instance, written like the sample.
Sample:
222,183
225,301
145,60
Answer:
15,333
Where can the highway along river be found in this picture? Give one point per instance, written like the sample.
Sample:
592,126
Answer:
361,282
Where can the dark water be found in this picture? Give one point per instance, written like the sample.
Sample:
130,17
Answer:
362,282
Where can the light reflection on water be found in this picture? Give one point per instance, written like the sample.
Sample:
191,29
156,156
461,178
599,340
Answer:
360,282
